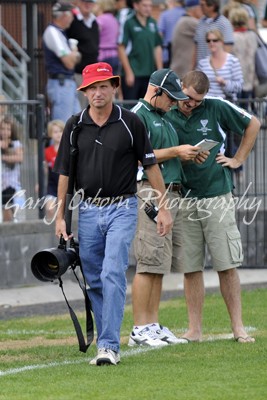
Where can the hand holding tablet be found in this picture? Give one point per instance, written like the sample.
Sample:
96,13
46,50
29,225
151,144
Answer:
206,144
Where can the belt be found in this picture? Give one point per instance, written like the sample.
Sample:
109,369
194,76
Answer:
173,187
60,76
107,201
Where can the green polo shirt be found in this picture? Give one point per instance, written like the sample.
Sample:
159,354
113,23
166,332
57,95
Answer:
140,42
211,120
162,135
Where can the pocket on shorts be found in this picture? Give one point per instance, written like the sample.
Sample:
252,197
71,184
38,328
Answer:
235,246
149,248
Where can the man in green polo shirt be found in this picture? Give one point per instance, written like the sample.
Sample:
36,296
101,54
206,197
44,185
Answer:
156,255
140,50
208,204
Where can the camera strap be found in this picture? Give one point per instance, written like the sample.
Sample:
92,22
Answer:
83,346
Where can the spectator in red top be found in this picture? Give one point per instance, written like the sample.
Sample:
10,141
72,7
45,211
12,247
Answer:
54,131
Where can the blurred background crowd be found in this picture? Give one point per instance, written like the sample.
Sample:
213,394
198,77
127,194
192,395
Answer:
136,37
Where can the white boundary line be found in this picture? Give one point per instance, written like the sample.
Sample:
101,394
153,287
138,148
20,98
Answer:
126,353
14,371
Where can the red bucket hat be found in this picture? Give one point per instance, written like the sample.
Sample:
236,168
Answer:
96,73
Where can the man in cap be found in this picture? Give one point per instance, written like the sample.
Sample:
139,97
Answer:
111,141
157,255
60,61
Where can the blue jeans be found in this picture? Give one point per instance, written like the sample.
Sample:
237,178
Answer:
63,98
105,235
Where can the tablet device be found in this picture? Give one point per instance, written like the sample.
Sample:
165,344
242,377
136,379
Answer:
206,144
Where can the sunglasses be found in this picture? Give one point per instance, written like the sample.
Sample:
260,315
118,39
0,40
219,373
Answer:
197,102
212,40
169,97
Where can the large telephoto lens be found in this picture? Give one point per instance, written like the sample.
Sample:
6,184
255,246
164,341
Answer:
50,264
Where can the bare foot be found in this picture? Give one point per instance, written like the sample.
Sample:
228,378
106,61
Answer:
191,336
245,339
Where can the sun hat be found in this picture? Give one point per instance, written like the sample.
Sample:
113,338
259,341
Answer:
169,82
97,72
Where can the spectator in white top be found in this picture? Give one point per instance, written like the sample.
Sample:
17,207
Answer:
222,68
60,62
11,158
212,19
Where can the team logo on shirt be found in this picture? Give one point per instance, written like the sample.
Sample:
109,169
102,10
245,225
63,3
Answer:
149,155
151,26
204,129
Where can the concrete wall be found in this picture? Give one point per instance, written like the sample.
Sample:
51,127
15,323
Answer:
19,242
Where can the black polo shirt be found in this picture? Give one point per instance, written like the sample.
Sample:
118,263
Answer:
108,155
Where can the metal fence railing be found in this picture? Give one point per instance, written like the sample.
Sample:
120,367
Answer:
25,121
13,68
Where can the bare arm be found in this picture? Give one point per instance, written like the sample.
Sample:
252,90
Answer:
13,156
194,58
61,194
244,148
71,59
164,220
185,152
158,57
129,75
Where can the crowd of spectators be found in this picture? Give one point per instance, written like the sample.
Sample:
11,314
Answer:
136,38
214,36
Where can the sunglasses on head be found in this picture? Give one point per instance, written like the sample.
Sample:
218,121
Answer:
212,40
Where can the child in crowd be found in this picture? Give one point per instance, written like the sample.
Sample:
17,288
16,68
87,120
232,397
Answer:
54,131
11,159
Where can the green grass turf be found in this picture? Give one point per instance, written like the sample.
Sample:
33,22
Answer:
39,359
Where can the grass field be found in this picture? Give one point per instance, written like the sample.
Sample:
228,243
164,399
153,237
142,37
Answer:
39,359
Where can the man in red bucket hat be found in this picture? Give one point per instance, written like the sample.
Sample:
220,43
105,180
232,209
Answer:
111,141
97,73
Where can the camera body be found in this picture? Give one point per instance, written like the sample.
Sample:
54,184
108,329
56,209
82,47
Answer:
50,264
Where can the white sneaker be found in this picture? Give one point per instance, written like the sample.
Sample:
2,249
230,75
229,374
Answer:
167,336
107,357
93,361
145,337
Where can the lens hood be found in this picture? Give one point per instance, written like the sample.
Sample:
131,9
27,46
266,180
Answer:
49,264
